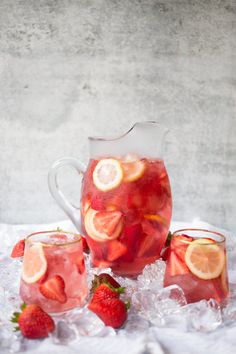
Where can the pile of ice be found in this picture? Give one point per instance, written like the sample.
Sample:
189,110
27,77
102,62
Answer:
152,306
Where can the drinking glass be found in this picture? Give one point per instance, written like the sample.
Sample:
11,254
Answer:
197,263
53,271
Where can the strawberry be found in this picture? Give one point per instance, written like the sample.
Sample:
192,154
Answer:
112,311
85,245
104,278
105,291
33,322
81,266
176,266
131,238
115,250
107,221
179,245
18,249
54,289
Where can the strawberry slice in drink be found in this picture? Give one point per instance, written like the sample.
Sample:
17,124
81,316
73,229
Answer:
176,266
103,225
179,245
115,250
54,289
176,258
131,238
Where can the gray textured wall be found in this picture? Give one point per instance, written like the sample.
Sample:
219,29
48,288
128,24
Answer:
69,69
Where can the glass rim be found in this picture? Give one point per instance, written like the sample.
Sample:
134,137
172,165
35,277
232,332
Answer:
223,238
28,238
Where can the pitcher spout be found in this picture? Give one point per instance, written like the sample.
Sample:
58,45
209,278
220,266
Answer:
144,139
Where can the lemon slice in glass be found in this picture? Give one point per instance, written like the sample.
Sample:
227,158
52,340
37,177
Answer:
205,258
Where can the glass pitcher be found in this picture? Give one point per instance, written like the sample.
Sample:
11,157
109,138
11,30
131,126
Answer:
125,206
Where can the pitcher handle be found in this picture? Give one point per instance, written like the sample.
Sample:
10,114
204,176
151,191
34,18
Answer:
67,207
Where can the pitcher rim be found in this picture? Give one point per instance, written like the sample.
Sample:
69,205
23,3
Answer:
100,138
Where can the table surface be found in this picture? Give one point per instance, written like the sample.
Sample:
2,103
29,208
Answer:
156,339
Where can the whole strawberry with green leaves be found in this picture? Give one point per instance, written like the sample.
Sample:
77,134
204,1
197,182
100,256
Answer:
33,322
106,302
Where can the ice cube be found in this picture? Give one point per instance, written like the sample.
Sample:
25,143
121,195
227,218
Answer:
154,305
10,342
136,323
204,316
86,323
152,276
63,333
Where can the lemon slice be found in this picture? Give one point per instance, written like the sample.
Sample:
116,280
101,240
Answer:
107,174
205,258
103,225
34,263
133,167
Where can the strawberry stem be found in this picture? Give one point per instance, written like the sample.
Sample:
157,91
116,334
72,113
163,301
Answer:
23,306
127,304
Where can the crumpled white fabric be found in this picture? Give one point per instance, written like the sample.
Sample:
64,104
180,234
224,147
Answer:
156,340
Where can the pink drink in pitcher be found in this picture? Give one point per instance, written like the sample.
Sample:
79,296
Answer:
53,274
125,203
126,211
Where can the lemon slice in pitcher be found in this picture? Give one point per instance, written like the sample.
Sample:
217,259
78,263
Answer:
205,258
133,167
108,174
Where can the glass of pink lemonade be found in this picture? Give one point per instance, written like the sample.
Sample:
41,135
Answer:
197,263
53,271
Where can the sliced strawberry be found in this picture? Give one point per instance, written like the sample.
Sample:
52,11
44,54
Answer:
103,225
179,245
81,266
112,311
85,245
115,250
131,238
107,221
54,289
104,278
18,249
146,245
176,266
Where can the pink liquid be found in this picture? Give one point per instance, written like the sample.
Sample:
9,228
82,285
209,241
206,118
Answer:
194,287
145,205
66,261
